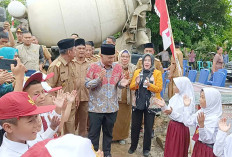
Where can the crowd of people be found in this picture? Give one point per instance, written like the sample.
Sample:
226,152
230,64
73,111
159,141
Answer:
63,109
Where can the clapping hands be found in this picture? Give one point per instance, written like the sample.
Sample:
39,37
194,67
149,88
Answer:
223,126
59,99
187,100
160,103
201,119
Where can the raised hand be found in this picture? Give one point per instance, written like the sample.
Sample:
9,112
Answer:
99,153
55,122
160,103
124,82
168,112
187,100
102,73
5,77
19,69
223,126
137,79
59,99
7,26
201,119
71,96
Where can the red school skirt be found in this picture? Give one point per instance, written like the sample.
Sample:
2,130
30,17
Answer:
177,140
202,150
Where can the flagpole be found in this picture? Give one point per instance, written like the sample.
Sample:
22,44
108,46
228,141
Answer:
174,48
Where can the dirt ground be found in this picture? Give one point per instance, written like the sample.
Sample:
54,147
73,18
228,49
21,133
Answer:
156,150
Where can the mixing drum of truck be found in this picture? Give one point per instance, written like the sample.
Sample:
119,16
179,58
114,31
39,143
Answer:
95,20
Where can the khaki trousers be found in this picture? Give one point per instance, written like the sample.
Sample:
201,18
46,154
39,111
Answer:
170,89
81,118
69,126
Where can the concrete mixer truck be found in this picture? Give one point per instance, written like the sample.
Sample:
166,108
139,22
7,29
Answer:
95,20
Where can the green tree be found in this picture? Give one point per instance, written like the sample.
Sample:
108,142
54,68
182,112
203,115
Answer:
195,22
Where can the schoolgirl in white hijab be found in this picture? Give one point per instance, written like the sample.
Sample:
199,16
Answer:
206,120
178,137
223,144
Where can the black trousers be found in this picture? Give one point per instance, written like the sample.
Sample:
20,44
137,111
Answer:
165,64
192,64
106,122
137,117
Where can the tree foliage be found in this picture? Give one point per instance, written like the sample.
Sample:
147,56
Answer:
199,24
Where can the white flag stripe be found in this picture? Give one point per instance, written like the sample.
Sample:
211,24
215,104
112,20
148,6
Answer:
166,39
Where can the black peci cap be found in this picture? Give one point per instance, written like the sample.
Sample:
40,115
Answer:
149,45
79,42
107,49
66,44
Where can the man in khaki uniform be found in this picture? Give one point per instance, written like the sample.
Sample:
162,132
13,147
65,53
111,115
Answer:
174,70
81,65
149,48
30,54
89,52
19,35
64,75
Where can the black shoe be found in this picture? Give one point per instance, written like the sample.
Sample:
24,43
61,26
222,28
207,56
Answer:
152,134
131,151
146,153
107,154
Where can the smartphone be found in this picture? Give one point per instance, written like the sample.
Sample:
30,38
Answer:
5,63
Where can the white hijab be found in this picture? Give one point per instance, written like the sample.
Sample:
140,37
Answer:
213,110
185,88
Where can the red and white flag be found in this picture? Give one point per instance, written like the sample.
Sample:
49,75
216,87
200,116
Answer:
165,28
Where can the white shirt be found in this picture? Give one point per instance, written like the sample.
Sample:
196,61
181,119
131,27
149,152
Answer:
174,115
223,145
12,149
207,134
164,55
49,133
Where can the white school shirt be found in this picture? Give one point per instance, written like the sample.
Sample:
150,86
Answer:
175,115
223,145
49,133
176,102
12,149
207,134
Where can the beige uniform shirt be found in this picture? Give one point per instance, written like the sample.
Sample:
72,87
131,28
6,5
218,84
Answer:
81,68
46,53
17,43
64,75
158,65
174,72
29,56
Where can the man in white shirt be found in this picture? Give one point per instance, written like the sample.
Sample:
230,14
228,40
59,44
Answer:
165,58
